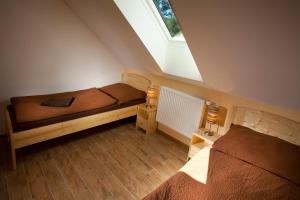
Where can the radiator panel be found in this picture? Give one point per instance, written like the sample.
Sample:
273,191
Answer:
179,111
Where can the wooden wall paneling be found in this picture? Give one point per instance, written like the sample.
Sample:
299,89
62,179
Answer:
268,123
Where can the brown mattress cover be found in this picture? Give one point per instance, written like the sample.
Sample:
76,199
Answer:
270,153
108,101
29,125
15,100
29,108
123,92
228,178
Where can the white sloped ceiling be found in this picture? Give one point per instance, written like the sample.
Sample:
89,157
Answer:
246,48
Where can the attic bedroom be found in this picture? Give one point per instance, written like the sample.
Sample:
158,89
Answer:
149,99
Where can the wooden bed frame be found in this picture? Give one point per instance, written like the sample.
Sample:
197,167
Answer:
24,138
267,123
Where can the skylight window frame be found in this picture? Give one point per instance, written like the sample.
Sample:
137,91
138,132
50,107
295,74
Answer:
162,24
172,55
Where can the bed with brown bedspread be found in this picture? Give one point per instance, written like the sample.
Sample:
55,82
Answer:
33,119
243,164
29,112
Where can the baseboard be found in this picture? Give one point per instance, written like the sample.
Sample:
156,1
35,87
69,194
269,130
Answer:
174,134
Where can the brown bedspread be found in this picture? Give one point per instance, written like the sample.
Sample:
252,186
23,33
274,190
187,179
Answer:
179,187
267,152
123,92
35,124
30,109
27,112
243,164
228,178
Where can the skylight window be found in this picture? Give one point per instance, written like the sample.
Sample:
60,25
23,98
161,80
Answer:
165,10
156,25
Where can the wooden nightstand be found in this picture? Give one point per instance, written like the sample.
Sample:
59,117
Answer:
199,141
146,118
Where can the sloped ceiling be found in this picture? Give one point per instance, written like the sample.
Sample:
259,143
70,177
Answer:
246,48
105,19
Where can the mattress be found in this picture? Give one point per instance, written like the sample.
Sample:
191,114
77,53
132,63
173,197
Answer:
86,107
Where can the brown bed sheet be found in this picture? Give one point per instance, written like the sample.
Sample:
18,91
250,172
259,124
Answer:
86,102
29,125
179,187
243,164
123,92
228,178
30,108
267,152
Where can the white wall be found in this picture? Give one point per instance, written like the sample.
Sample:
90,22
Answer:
45,48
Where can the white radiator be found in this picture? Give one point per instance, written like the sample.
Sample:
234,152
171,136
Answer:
179,111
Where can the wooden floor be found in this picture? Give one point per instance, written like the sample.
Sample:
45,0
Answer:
100,163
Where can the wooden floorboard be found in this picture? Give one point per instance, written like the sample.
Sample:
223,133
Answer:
116,161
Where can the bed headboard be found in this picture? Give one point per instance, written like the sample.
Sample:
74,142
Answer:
268,123
137,81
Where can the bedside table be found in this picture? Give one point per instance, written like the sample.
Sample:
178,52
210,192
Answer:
145,118
199,141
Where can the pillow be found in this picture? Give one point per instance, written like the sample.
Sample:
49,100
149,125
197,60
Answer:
58,102
123,92
265,151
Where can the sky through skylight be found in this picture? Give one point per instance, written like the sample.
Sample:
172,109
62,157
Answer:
165,10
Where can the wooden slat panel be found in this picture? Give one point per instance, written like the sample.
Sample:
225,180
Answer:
268,123
137,81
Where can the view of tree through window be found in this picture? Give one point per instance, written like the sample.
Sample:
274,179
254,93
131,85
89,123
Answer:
168,16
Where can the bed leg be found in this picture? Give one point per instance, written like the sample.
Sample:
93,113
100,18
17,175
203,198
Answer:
9,132
8,136
6,129
13,158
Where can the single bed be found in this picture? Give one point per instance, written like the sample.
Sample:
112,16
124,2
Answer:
28,122
243,164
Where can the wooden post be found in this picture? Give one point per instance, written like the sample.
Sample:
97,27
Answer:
13,158
9,132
